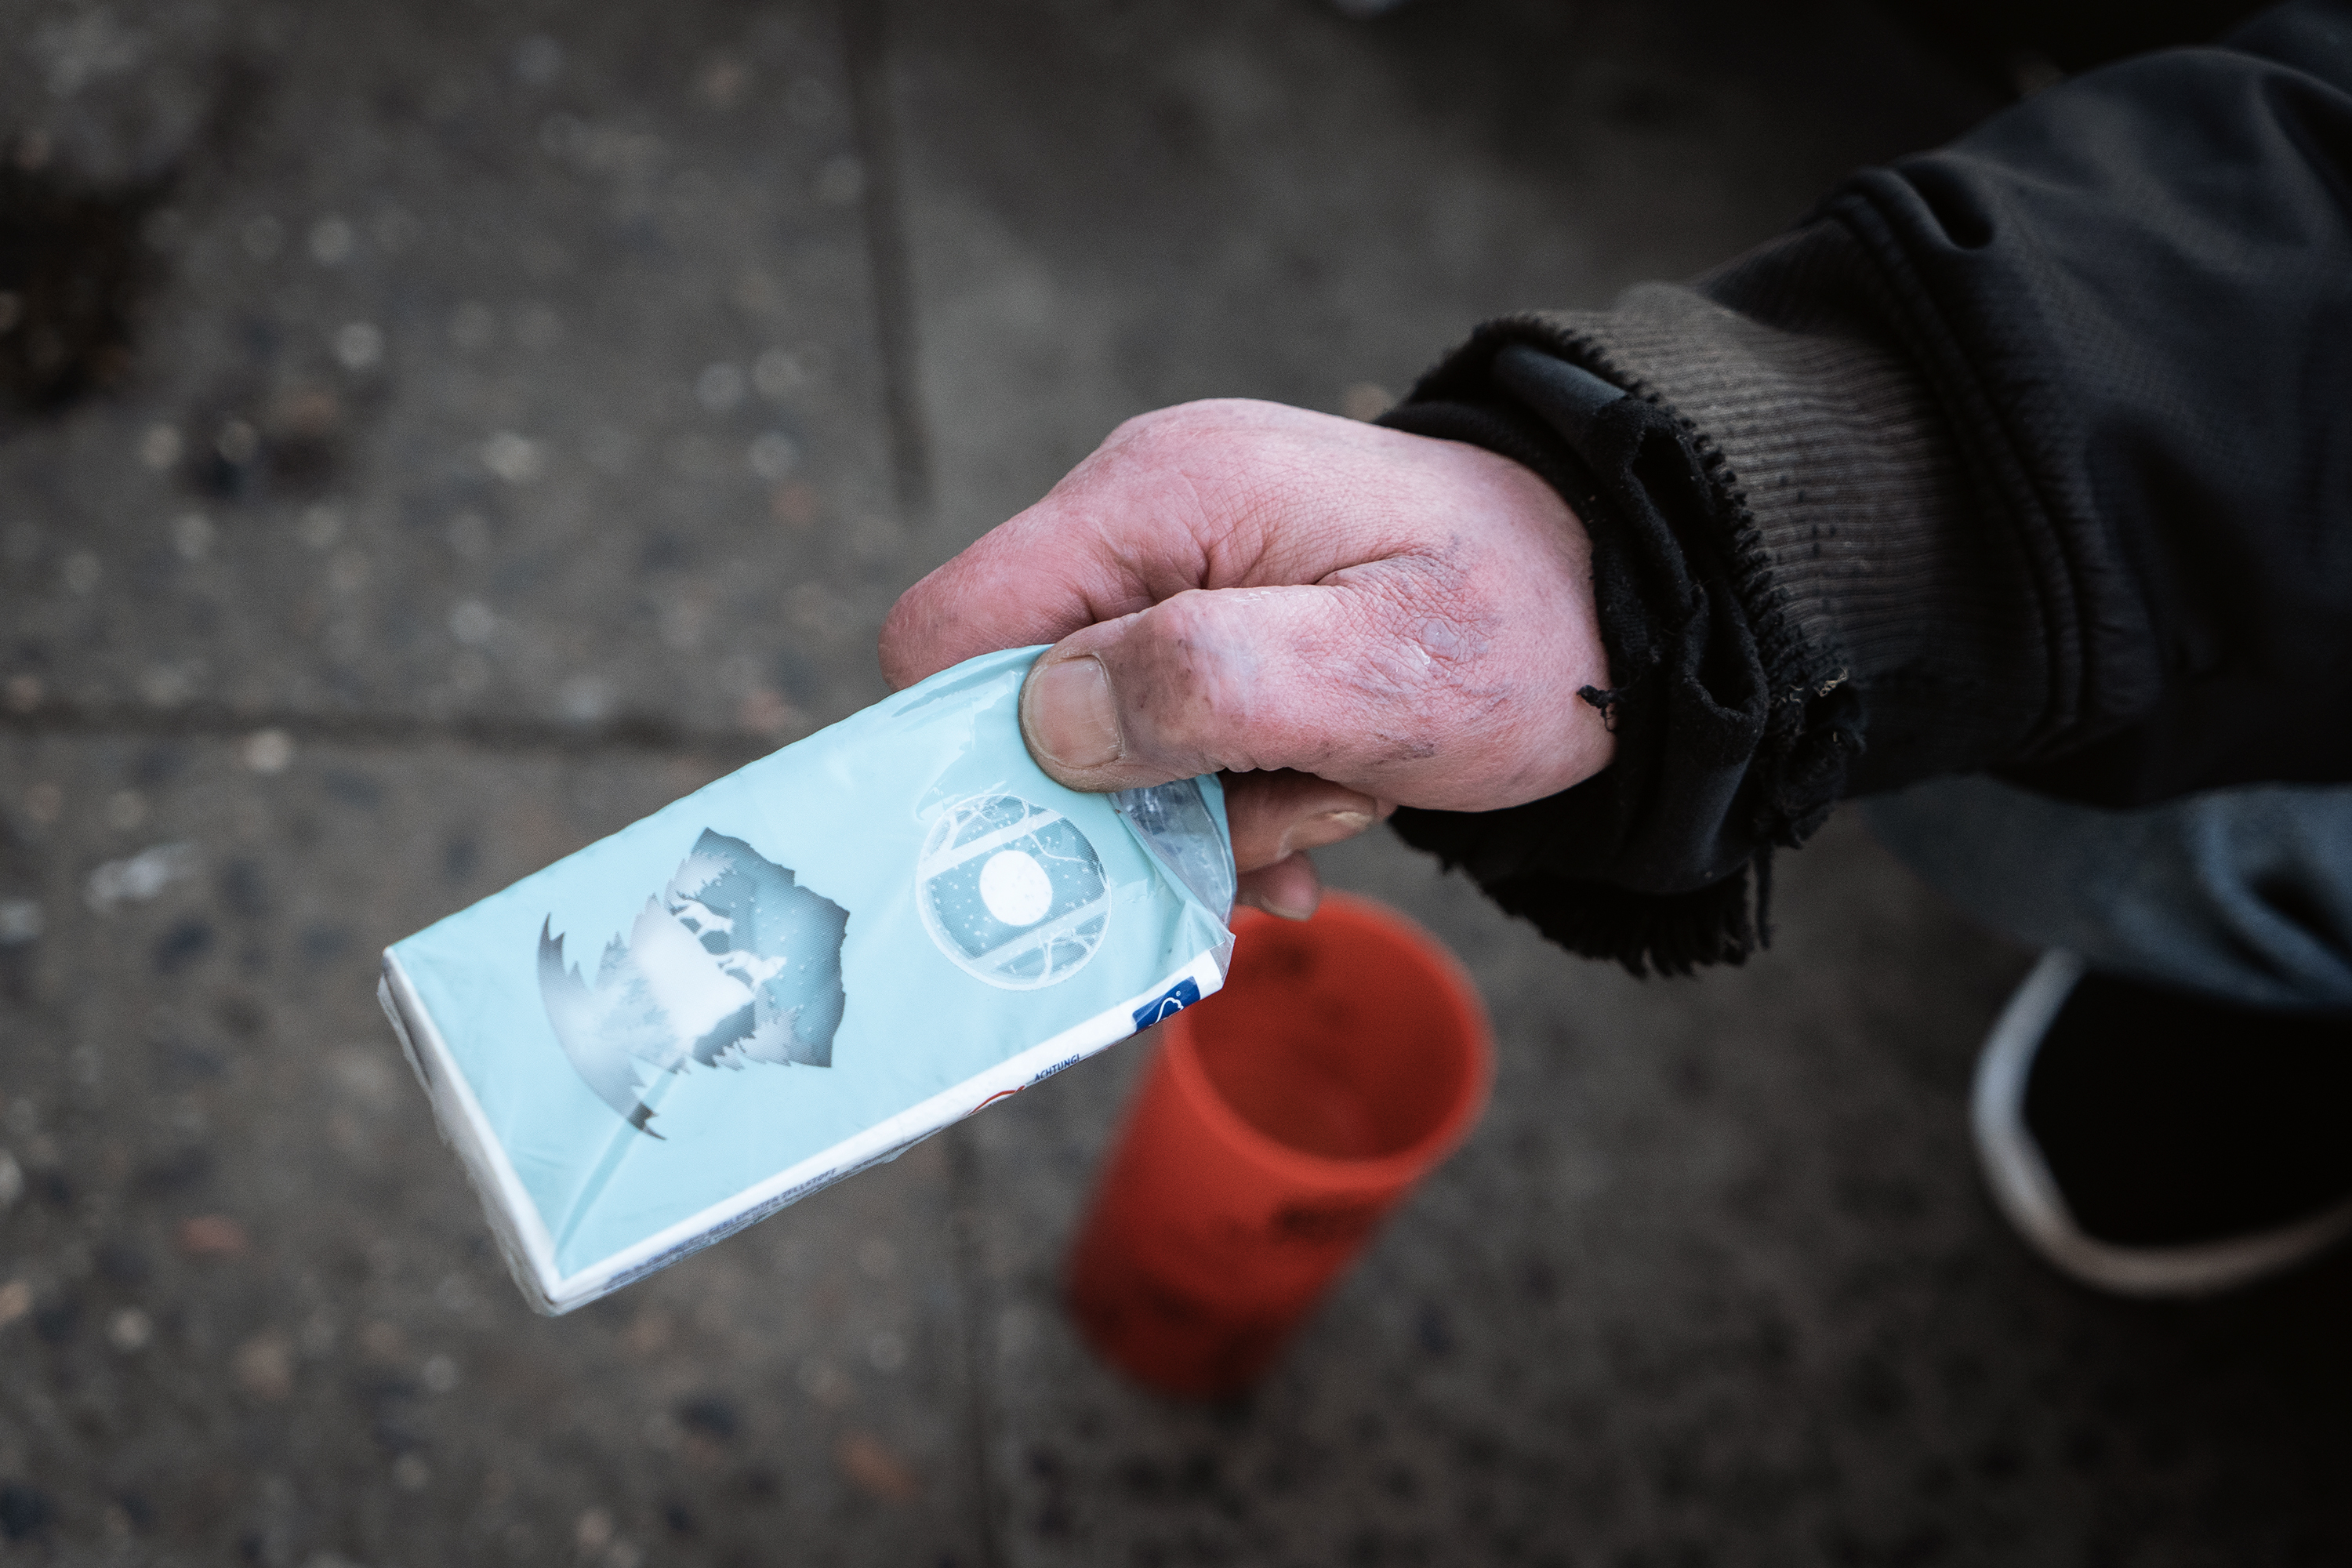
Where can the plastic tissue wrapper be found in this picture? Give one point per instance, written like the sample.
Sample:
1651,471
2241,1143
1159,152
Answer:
797,971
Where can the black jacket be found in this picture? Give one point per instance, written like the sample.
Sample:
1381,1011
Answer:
2032,454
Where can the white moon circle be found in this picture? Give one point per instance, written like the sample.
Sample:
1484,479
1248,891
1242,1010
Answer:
1015,888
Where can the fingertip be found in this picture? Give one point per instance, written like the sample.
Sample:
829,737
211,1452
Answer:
1289,889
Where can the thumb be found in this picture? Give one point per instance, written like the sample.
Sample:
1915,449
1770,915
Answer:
1327,680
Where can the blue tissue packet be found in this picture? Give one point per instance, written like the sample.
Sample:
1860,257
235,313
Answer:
797,971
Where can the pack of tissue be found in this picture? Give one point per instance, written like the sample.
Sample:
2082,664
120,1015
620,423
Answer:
797,972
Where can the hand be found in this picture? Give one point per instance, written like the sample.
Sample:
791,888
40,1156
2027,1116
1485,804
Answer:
1340,618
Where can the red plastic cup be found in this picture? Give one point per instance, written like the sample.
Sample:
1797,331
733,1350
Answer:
1278,1123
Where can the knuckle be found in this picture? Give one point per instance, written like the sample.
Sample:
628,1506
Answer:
1174,421
1135,428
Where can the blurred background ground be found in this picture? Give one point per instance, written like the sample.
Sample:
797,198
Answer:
437,435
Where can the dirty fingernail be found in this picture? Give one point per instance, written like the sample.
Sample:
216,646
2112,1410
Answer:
1276,904
1073,719
1289,887
1287,907
1323,828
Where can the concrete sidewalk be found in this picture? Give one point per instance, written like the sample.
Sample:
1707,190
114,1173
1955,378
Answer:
530,415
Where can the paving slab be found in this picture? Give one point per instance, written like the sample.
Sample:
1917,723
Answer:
248,1307
517,362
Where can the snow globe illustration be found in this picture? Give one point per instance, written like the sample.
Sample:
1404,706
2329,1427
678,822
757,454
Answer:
733,963
1011,892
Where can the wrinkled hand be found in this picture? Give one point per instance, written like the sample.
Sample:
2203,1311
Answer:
1340,618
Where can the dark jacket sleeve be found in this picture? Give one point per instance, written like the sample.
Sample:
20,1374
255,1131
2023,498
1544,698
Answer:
2031,455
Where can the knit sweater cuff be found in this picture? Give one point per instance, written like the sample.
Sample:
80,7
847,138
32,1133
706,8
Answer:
1835,468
